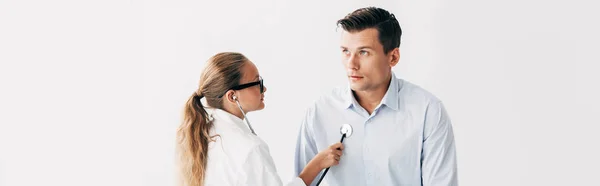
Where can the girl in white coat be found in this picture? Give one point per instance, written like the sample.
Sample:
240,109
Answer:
216,147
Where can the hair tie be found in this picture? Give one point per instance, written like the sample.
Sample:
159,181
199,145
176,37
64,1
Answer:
199,96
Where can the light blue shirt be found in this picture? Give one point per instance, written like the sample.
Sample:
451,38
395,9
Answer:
407,140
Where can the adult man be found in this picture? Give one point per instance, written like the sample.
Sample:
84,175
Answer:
402,134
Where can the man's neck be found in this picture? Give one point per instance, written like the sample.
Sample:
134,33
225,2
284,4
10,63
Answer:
369,99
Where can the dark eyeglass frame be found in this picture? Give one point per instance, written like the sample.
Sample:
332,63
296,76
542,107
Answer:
246,85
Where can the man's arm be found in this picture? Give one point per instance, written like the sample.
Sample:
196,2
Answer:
438,159
306,147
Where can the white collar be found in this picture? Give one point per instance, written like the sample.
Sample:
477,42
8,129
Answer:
226,117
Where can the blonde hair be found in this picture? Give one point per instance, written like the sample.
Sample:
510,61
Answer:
222,72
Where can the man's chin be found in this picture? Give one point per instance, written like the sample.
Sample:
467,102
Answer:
356,87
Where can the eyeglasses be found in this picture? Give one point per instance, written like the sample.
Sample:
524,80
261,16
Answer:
246,85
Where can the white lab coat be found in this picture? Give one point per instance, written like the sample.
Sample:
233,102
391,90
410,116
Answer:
238,157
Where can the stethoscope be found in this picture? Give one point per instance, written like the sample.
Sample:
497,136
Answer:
346,131
243,113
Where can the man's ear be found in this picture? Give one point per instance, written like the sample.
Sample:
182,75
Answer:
394,57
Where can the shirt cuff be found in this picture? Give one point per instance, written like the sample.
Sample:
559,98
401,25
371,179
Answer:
297,181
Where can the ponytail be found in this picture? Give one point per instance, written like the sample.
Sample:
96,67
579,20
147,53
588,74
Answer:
194,137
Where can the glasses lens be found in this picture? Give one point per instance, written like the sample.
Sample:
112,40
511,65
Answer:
262,86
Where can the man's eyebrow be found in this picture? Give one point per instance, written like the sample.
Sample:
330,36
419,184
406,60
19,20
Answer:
362,47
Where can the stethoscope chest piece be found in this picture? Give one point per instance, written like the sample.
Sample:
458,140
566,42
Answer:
346,129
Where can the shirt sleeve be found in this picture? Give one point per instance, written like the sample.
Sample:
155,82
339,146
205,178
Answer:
438,160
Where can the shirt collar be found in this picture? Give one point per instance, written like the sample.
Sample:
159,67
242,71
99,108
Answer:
226,117
390,99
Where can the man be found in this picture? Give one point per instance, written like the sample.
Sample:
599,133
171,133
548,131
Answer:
402,134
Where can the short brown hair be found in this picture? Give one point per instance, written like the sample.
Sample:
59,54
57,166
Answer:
378,18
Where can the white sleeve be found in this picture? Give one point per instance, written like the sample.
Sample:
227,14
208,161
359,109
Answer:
297,181
259,169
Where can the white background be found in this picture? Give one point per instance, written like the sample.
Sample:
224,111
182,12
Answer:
92,92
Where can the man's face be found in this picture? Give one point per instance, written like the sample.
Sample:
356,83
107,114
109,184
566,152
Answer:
367,66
